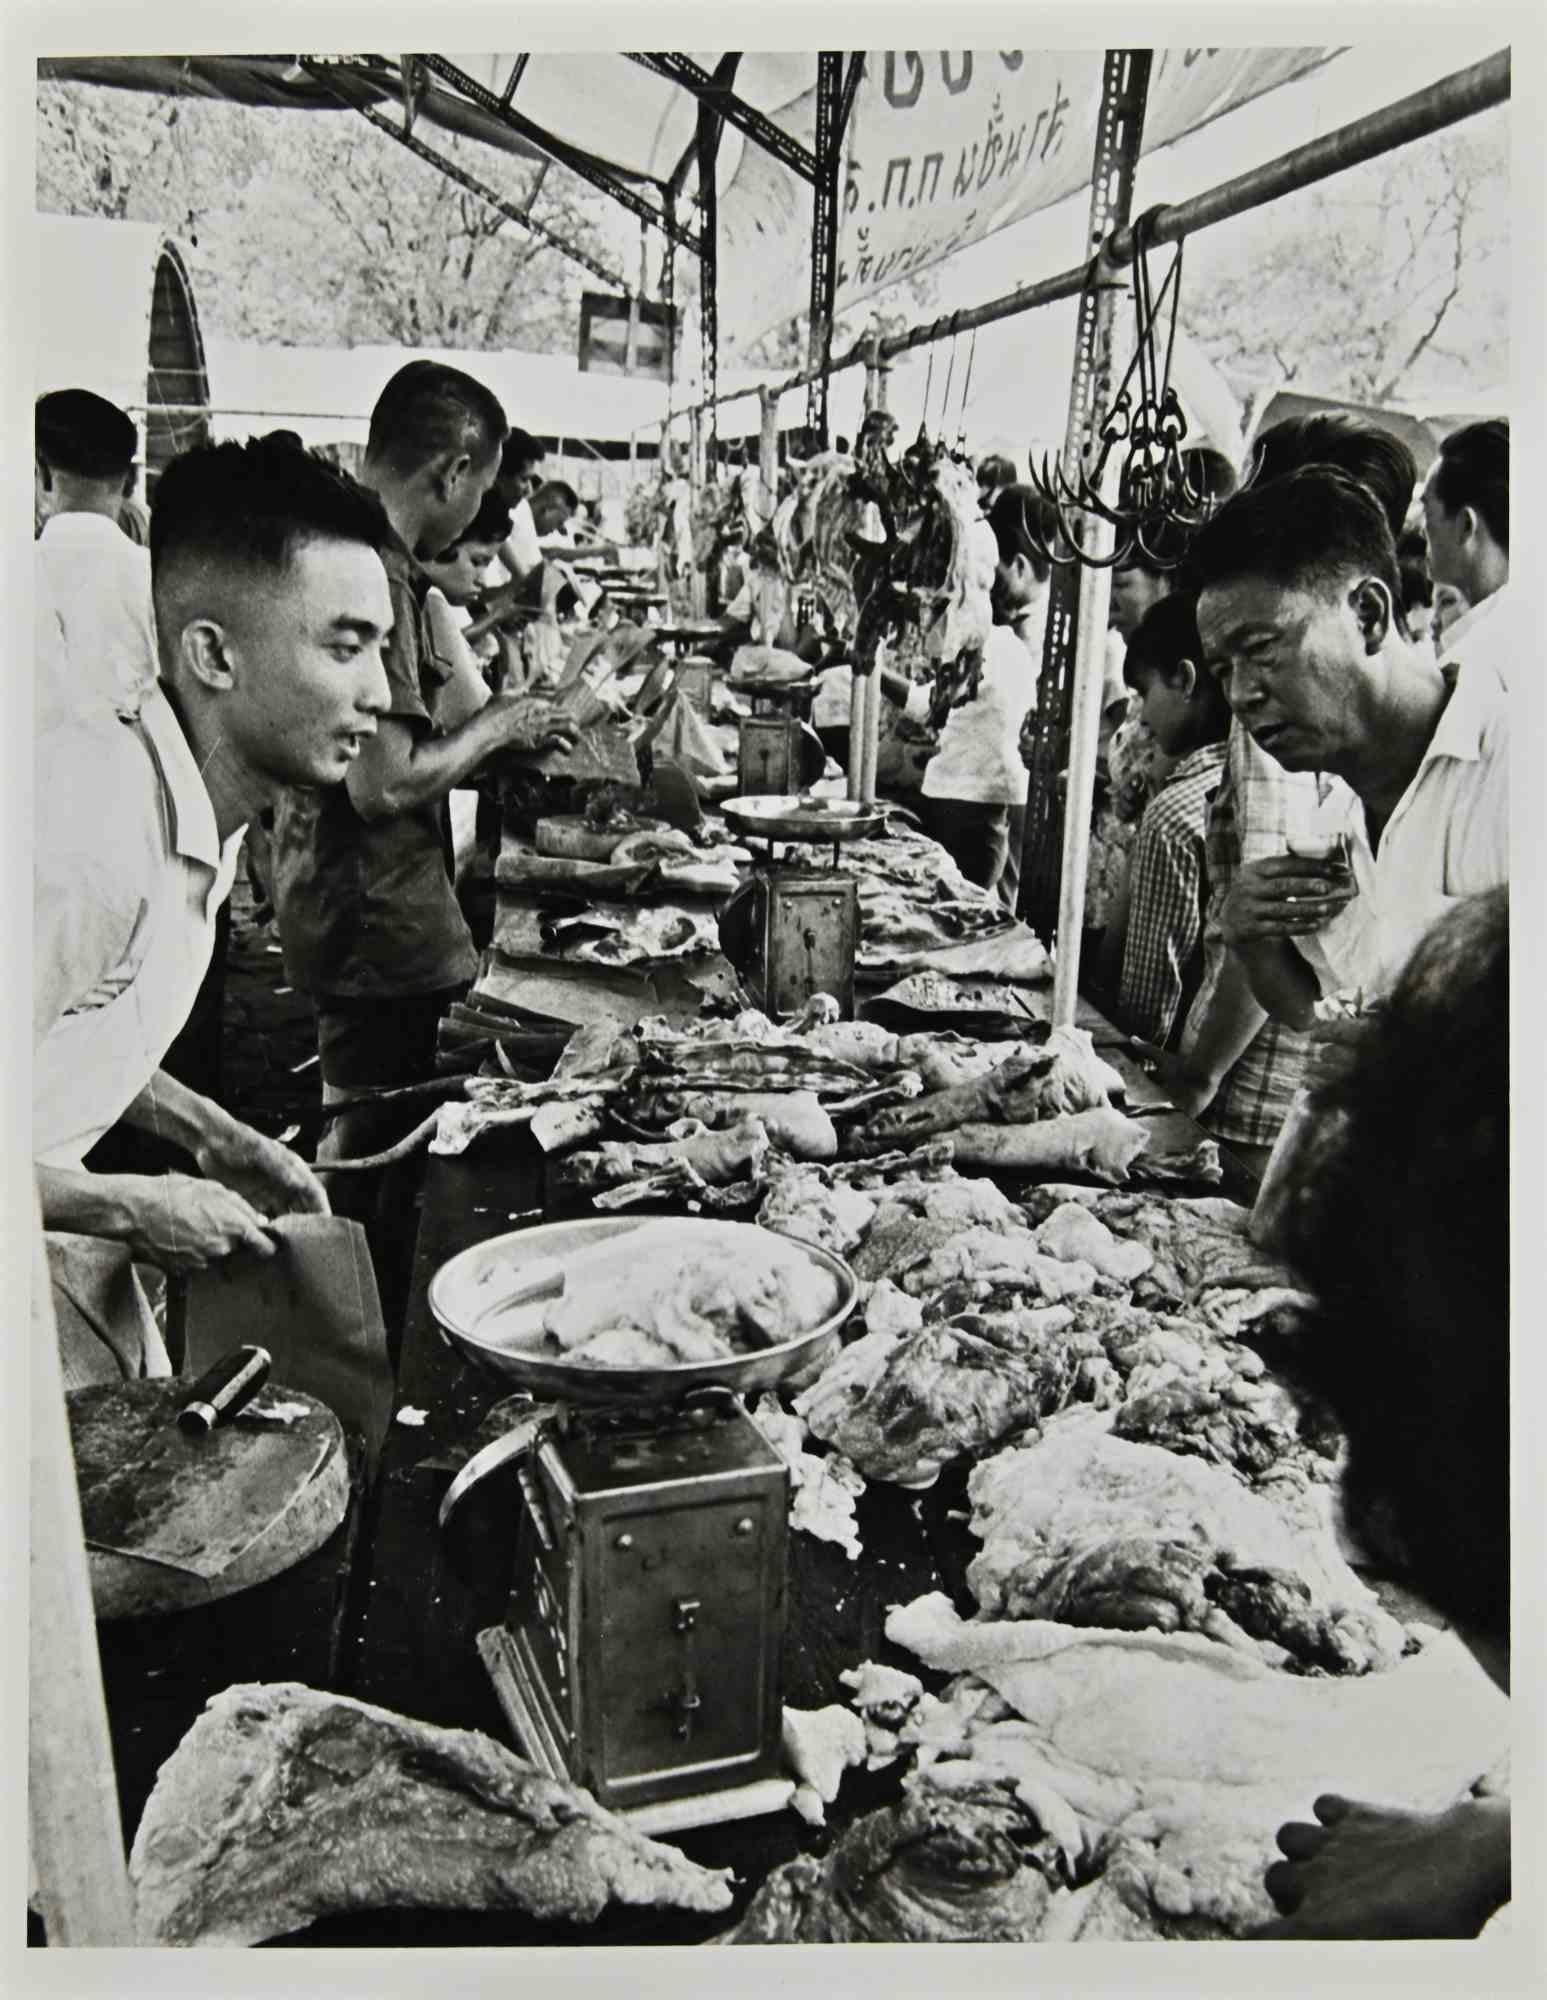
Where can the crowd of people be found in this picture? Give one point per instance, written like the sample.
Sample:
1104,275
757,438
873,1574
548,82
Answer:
1302,822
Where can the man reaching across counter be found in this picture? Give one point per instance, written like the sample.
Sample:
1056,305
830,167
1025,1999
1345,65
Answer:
271,608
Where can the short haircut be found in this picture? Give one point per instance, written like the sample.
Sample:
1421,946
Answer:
1375,457
428,411
492,523
1025,524
1166,635
1398,1220
1307,530
84,435
522,453
1473,471
253,505
556,490
996,470
1413,567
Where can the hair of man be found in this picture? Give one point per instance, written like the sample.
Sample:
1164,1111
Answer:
1400,1226
492,523
556,491
522,454
1473,471
252,505
84,436
1377,458
996,470
1413,566
1024,524
1309,529
429,413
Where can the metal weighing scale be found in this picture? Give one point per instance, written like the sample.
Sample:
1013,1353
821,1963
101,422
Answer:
779,752
640,1650
792,929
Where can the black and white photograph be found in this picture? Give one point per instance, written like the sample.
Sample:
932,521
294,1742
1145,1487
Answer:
769,827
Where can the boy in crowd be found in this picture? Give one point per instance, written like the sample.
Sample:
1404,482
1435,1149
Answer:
1190,719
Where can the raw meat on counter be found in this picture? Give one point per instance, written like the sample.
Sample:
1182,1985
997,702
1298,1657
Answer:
1165,1764
283,1804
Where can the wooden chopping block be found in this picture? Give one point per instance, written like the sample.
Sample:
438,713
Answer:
112,1424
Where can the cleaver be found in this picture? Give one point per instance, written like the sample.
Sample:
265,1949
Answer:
197,1503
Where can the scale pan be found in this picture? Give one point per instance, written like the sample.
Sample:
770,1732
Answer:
800,818
471,1300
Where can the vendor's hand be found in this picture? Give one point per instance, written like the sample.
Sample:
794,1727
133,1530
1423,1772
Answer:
1027,741
1284,896
266,1174
1188,1089
180,1223
528,722
1367,1871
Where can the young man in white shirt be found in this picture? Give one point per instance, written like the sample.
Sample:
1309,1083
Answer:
93,582
974,791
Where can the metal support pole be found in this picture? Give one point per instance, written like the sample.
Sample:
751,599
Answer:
698,583
824,235
709,128
768,451
876,371
1074,657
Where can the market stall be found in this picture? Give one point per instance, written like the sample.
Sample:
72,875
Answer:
964,1317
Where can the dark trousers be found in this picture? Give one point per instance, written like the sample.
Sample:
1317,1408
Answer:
366,1046
984,841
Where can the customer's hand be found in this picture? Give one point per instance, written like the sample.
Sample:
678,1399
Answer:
1285,896
528,722
1188,1089
180,1223
266,1174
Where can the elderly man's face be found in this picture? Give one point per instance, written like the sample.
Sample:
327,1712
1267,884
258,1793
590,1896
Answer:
1295,665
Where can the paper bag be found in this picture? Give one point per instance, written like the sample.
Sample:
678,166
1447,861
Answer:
315,1307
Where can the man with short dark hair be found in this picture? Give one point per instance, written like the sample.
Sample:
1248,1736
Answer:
1299,612
368,916
93,582
1466,523
271,609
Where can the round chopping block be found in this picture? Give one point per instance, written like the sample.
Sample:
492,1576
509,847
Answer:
271,1486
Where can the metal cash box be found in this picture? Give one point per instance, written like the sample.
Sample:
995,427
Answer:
640,1653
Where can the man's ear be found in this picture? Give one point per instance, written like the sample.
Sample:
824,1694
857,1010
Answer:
1184,677
1468,525
1372,605
202,655
449,473
46,478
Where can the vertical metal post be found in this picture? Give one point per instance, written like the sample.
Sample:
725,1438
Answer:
1071,609
877,368
768,451
824,235
698,582
709,126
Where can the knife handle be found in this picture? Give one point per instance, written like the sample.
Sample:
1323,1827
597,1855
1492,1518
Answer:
223,1390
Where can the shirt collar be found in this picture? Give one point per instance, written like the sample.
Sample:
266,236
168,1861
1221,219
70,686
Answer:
80,525
1474,696
189,811
1207,757
1466,625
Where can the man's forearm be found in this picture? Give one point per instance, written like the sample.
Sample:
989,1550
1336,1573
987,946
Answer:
422,771
1282,983
1230,1024
171,1111
86,1204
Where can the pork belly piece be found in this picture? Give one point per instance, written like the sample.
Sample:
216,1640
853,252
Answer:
283,1804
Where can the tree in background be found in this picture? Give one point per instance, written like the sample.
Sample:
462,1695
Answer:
314,228
1376,287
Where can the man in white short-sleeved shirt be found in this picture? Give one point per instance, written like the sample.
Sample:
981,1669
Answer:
272,605
1299,613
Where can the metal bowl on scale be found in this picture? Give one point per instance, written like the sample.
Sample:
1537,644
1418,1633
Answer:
799,817
490,1301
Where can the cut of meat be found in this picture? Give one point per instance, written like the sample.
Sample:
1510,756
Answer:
992,1255
1090,1529
1074,1234
972,1867
1180,1760
283,1804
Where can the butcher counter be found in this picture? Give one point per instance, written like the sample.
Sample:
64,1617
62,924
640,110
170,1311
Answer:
380,1614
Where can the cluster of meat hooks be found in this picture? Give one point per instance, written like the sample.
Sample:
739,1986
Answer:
1159,506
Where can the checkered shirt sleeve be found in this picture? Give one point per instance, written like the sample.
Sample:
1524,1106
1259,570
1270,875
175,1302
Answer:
1165,920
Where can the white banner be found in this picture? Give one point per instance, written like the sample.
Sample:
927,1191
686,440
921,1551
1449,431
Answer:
947,146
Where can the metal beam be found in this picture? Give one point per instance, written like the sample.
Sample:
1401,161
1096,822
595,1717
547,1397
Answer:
571,157
856,70
1432,109
512,82
689,76
724,72
346,95
824,234
710,126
